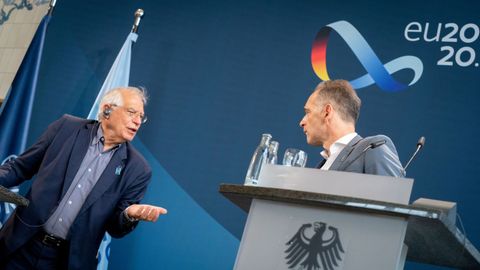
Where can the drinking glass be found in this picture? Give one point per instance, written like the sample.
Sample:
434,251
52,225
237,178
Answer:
295,158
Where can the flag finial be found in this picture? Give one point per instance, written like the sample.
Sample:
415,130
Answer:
138,16
51,6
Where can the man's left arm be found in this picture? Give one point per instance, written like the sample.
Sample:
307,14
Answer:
129,212
384,160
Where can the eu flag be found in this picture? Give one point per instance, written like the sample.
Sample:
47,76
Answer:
17,107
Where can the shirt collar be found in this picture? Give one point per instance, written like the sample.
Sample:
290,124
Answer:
100,138
338,145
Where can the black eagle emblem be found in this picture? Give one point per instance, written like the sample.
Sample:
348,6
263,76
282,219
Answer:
316,252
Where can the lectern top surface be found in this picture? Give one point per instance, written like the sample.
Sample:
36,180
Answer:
239,193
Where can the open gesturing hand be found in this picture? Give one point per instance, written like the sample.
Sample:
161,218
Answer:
145,212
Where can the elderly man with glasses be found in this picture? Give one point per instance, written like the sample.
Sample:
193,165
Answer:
89,180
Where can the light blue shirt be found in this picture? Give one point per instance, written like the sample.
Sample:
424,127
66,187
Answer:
92,167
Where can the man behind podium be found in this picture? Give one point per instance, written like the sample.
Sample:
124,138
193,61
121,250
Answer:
331,113
89,179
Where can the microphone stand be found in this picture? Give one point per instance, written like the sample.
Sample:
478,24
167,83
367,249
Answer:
420,144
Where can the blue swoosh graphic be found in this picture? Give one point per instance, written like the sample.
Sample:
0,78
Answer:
376,71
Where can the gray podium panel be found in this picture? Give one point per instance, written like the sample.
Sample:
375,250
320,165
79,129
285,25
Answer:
363,186
283,236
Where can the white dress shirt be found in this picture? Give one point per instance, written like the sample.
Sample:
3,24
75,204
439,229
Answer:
335,149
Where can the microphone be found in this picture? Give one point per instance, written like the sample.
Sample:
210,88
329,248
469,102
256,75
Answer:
374,145
420,144
369,146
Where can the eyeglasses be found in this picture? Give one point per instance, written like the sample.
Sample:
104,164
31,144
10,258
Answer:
133,113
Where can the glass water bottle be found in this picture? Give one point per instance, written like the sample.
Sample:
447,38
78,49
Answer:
272,152
258,159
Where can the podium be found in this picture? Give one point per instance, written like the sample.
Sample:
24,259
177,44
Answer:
295,228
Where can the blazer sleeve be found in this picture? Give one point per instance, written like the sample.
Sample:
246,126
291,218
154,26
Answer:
118,225
26,165
384,160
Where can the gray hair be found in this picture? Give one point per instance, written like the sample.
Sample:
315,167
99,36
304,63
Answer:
115,97
342,96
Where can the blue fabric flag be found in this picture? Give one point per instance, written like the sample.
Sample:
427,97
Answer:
119,75
17,107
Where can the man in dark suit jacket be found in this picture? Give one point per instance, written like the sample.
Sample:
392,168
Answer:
89,180
331,113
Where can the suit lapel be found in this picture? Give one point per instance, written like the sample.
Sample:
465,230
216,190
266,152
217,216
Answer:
85,135
110,175
321,163
345,153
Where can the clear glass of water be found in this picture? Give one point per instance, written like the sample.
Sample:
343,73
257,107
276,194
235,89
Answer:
294,157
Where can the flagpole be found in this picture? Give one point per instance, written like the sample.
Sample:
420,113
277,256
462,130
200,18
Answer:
118,76
138,16
51,7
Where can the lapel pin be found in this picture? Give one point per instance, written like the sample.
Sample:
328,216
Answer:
118,170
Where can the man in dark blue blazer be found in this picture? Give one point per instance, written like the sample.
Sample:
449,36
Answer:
89,180
331,113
